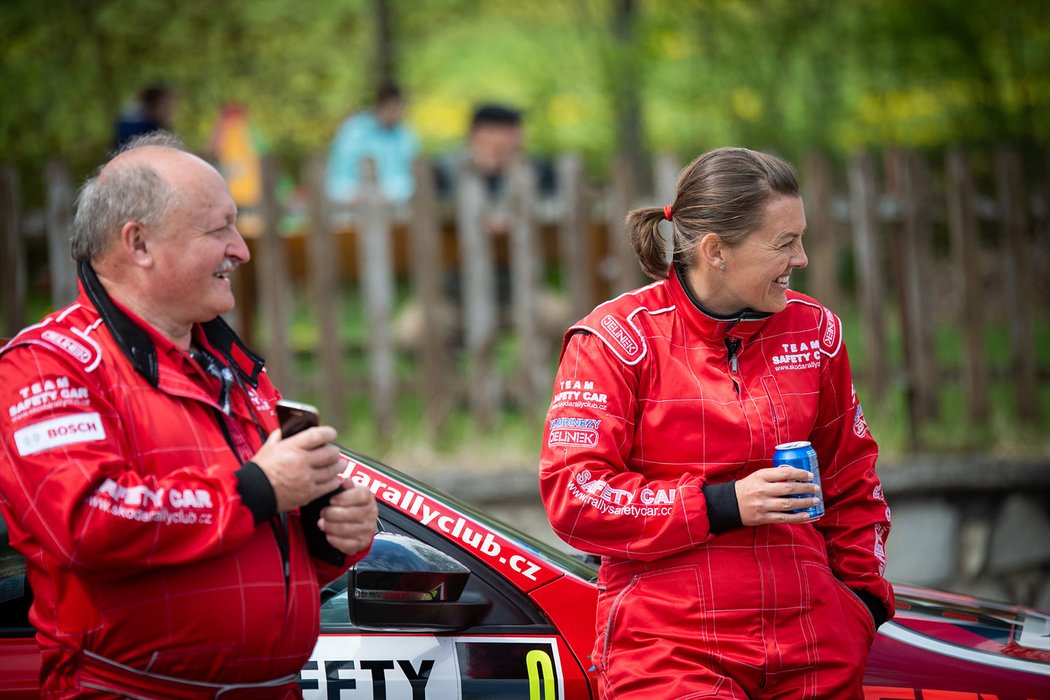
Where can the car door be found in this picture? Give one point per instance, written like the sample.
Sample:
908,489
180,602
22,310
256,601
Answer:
19,655
424,618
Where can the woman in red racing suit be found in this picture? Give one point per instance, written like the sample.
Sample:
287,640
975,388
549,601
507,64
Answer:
657,455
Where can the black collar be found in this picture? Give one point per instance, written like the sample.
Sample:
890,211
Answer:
746,314
139,348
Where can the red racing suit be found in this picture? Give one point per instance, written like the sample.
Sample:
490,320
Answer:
658,408
159,565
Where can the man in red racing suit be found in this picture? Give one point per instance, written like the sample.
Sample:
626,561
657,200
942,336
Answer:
161,563
663,513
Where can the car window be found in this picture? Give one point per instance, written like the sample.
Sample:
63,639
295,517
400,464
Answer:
506,607
15,596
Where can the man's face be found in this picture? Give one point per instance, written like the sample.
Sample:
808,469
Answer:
196,248
388,112
494,146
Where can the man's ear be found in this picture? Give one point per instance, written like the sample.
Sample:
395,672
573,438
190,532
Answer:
134,244
710,252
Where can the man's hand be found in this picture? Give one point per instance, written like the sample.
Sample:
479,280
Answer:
349,519
301,468
764,497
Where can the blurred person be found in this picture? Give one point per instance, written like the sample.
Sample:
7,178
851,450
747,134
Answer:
153,110
236,150
658,456
494,143
380,134
495,140
175,542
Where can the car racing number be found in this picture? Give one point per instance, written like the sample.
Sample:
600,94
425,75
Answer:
425,667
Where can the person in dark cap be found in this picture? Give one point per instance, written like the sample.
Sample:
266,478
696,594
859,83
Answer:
153,110
495,139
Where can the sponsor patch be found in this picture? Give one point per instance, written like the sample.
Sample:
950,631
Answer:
831,339
620,335
860,426
79,351
573,432
66,430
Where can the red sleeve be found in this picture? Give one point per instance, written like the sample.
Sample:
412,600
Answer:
593,501
68,478
856,522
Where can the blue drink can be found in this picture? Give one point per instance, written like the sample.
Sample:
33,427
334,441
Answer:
801,455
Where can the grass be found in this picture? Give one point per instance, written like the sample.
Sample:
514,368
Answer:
514,433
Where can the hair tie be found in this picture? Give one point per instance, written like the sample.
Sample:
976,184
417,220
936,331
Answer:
668,210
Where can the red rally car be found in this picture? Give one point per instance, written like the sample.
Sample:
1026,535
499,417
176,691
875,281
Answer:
452,604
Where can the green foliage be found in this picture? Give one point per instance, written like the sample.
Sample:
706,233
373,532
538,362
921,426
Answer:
783,74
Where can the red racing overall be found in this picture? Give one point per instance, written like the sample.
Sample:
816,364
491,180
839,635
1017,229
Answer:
157,560
658,408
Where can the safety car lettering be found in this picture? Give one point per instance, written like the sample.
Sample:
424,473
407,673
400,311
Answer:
646,502
58,432
145,505
501,553
579,393
47,394
794,356
426,667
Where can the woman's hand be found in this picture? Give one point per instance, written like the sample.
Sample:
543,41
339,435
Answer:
765,496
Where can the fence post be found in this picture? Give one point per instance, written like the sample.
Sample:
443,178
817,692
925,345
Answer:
906,180
273,286
1014,223
376,272
573,237
620,267
525,284
425,263
477,297
821,241
870,268
59,193
323,259
13,280
964,231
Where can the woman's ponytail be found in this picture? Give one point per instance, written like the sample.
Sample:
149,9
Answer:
643,229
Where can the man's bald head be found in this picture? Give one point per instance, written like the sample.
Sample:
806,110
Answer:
137,184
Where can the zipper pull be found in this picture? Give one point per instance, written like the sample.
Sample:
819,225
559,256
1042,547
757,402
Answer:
733,345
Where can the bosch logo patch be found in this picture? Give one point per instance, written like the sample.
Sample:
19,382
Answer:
57,432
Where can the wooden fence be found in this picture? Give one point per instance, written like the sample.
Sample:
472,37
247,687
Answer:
930,242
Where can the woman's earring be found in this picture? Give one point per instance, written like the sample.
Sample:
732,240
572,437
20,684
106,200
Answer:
722,266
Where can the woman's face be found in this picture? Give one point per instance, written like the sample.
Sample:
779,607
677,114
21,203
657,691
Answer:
757,272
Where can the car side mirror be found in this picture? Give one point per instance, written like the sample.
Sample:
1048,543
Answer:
404,582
